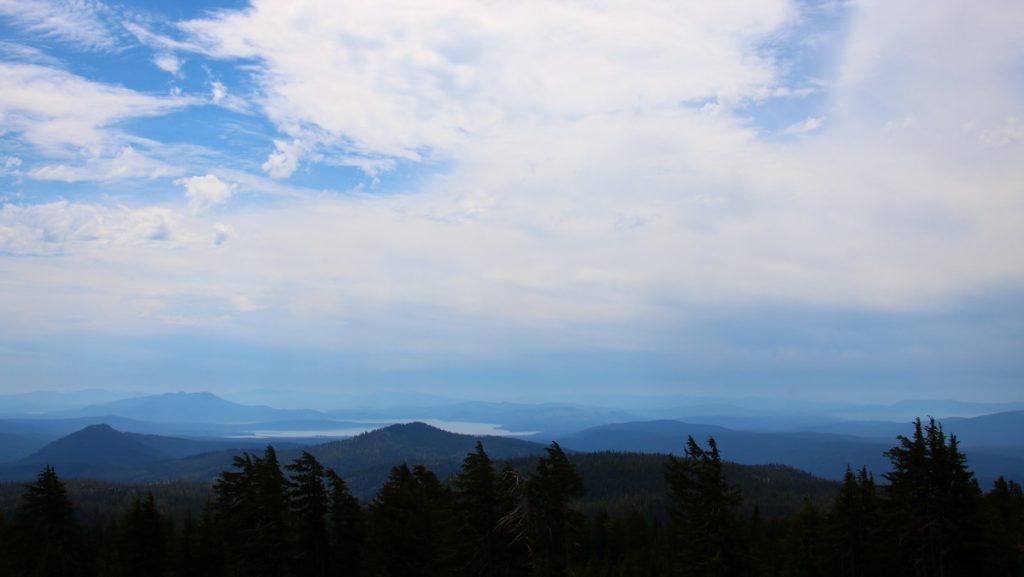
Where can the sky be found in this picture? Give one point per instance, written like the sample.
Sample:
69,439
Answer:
514,200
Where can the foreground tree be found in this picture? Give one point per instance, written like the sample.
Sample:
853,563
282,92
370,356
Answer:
703,524
854,527
308,497
141,540
46,539
485,505
1005,509
934,504
252,516
410,533
347,528
552,519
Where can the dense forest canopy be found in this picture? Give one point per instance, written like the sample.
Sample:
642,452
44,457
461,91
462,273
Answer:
558,514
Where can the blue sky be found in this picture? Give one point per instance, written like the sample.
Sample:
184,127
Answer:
514,200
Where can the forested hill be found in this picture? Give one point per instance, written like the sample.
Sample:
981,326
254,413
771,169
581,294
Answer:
822,454
554,514
104,453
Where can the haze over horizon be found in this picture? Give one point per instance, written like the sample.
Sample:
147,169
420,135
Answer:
817,200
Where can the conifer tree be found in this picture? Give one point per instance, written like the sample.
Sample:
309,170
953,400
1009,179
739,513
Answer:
513,525
309,504
141,538
410,530
482,502
252,506
804,543
854,526
348,528
476,498
47,540
185,560
703,522
1005,535
934,503
550,493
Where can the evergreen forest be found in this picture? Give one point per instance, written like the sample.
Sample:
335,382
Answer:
925,517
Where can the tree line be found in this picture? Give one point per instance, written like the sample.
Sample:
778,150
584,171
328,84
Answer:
929,518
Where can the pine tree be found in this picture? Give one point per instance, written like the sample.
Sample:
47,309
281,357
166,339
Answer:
47,540
1005,534
934,503
476,499
309,504
410,530
488,548
141,540
702,514
550,493
252,506
854,526
513,525
348,528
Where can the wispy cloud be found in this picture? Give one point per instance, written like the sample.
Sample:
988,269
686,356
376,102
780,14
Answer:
84,23
128,163
406,83
571,175
804,126
62,114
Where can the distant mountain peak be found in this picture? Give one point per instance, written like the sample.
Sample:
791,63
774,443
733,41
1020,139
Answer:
98,443
97,428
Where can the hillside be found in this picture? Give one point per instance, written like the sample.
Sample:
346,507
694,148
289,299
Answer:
821,454
96,445
366,459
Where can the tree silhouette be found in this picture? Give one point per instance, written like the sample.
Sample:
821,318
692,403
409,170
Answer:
141,539
702,519
251,504
934,504
348,528
410,532
550,493
854,526
309,503
485,503
47,540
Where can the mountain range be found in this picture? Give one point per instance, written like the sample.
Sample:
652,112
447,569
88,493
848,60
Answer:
195,436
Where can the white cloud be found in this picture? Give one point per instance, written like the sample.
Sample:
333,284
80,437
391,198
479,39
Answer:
169,63
128,163
408,83
804,126
284,161
55,227
62,114
161,42
9,165
579,191
23,53
218,91
80,22
204,192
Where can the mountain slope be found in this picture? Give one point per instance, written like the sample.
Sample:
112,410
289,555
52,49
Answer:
821,454
95,445
364,460
1006,428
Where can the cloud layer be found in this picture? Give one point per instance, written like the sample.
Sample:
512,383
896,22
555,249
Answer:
604,175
